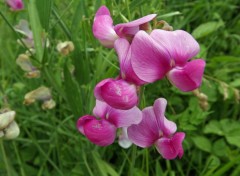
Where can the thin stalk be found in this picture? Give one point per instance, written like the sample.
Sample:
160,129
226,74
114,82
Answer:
19,160
5,158
133,159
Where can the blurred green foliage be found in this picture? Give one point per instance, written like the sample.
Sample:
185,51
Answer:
49,143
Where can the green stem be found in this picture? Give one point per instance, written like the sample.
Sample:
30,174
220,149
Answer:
5,158
19,160
133,159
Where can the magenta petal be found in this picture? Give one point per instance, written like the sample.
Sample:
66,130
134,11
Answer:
180,44
123,50
100,132
15,4
124,118
146,132
133,26
97,89
167,127
82,121
119,94
103,30
149,60
189,77
103,10
170,148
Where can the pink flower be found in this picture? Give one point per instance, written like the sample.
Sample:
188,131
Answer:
15,4
123,50
167,53
101,128
118,94
156,129
107,33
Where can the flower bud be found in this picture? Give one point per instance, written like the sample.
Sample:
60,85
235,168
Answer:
6,118
65,47
12,131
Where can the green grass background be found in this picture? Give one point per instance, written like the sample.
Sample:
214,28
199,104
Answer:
49,143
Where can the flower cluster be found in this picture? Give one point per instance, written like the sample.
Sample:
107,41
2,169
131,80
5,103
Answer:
145,56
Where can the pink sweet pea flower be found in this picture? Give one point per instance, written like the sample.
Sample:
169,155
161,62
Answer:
101,128
15,4
156,129
167,53
123,50
118,94
107,33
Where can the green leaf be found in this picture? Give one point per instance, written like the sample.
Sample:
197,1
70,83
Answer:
73,93
220,148
44,11
234,137
202,143
206,29
36,29
214,127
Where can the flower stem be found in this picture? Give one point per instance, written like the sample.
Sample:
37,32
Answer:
5,158
133,159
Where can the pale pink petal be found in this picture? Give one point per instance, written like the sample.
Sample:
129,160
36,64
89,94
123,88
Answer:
170,148
132,27
166,126
149,60
103,27
124,118
180,44
100,132
123,50
123,139
23,28
15,4
146,132
189,77
82,121
97,89
103,10
101,108
119,94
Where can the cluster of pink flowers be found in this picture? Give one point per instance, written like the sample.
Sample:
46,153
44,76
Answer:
145,56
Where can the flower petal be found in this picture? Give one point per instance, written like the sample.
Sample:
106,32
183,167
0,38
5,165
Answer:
146,132
124,118
119,94
189,77
97,89
103,27
180,44
100,132
170,148
123,50
132,27
101,108
103,10
167,127
123,139
15,4
82,121
149,60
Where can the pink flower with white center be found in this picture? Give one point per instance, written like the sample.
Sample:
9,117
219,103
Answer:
101,128
107,33
15,4
167,53
156,129
118,94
